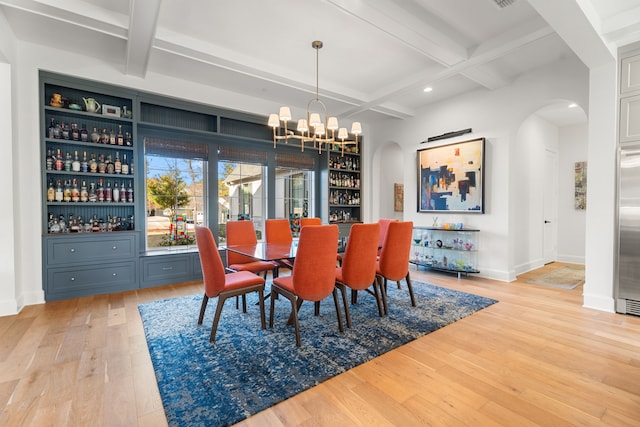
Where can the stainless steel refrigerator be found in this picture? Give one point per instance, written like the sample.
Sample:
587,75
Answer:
628,274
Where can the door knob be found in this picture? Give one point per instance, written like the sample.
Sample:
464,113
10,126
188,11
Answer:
547,222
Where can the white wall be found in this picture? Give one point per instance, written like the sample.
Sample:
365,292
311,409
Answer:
497,116
9,294
571,221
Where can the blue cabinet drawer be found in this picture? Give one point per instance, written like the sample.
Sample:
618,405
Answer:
73,282
167,269
82,249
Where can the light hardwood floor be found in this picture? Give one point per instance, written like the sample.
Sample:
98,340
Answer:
535,358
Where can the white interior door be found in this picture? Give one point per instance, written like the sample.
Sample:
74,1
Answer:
550,208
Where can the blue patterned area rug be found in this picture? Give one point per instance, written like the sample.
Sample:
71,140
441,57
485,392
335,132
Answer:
249,369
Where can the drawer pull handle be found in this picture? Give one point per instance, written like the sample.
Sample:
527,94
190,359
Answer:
73,279
114,248
72,250
114,274
167,268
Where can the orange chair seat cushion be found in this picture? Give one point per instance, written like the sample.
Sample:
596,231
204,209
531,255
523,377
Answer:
253,266
285,282
241,279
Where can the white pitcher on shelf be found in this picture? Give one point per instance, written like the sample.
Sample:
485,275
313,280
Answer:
91,105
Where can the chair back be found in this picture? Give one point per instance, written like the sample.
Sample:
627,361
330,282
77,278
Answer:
314,270
213,273
310,221
240,233
278,231
384,227
394,255
359,259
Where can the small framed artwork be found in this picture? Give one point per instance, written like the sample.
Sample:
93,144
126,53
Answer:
580,198
110,110
398,197
450,177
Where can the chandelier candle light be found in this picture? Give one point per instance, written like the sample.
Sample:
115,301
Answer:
321,128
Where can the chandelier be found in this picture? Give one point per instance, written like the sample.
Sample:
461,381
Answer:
318,127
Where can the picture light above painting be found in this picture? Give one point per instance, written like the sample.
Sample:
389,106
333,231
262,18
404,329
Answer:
451,177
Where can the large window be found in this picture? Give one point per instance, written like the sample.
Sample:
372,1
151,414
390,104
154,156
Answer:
176,177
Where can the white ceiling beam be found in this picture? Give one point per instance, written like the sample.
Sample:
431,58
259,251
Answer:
143,21
577,22
388,18
76,13
622,28
485,53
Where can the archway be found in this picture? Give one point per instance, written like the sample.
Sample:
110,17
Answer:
549,224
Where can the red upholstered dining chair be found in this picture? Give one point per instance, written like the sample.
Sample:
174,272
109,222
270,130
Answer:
244,233
219,284
313,276
384,227
393,263
359,262
309,221
279,231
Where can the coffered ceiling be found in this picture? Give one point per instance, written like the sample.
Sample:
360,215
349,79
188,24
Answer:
377,58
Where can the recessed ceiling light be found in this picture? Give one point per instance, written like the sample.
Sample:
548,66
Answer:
573,105
428,89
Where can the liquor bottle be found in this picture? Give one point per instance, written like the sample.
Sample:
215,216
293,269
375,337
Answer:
93,196
125,165
59,195
117,164
49,221
112,137
102,166
66,192
131,168
75,191
55,227
93,165
123,193
84,194
110,166
100,191
84,134
116,192
59,161
95,224
84,166
108,193
52,128
75,165
128,139
57,131
73,224
65,131
119,136
51,191
75,132
63,223
95,136
49,160
130,193
104,136
67,162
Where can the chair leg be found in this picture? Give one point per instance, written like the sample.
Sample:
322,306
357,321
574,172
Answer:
261,302
296,322
274,293
347,314
376,293
216,318
244,303
413,299
203,307
338,312
316,308
298,305
382,285
354,296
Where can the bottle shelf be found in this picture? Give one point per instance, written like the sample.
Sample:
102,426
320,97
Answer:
87,204
81,113
88,144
